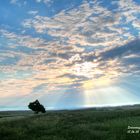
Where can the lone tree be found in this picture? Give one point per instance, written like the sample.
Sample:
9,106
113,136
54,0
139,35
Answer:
37,107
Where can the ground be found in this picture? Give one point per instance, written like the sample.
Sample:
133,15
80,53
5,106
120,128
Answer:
87,124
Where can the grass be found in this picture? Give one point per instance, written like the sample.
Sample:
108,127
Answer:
90,124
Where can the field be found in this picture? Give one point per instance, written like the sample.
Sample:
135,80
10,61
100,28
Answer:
87,124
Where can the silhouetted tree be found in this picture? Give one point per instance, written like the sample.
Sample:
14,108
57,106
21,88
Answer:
36,107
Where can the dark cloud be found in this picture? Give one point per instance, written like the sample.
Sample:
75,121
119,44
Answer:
89,56
73,76
49,61
126,58
132,47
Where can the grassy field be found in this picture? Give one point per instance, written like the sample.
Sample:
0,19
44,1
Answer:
89,124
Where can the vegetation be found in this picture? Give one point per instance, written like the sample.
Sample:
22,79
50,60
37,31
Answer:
89,124
36,107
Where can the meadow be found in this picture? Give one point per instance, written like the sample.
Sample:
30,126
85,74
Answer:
87,124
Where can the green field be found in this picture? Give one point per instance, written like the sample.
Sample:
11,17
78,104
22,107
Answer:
88,124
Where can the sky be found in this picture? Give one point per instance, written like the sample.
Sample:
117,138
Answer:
69,54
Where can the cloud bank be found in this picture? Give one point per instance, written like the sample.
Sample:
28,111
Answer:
89,46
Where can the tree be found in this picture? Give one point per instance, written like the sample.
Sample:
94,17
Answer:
36,107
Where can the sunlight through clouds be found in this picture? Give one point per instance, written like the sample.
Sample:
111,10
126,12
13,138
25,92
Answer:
78,53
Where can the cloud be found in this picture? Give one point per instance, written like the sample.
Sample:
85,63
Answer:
132,47
85,47
129,9
136,24
14,1
126,57
32,12
88,24
9,61
85,33
46,2
18,2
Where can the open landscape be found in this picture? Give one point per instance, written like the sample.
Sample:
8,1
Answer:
69,69
110,123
